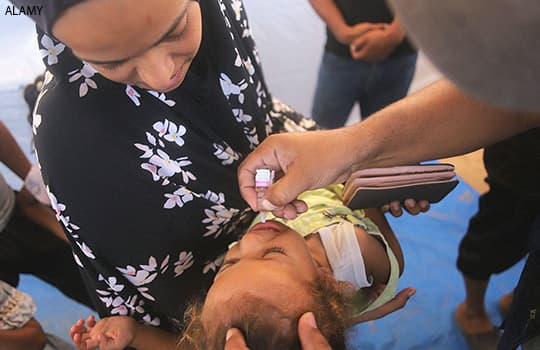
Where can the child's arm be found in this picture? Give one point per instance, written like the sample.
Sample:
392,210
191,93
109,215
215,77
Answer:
395,304
380,220
28,337
119,332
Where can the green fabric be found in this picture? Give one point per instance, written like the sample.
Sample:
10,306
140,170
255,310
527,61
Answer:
326,208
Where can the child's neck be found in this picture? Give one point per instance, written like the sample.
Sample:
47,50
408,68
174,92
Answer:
316,248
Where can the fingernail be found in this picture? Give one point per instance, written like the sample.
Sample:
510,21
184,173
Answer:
267,205
409,202
229,334
290,216
411,293
310,319
423,205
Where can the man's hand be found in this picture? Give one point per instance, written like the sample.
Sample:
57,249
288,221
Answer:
347,34
310,336
375,45
307,160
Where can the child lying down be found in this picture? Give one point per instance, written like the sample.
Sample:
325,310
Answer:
341,264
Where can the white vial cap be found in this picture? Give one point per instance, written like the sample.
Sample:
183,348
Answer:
264,177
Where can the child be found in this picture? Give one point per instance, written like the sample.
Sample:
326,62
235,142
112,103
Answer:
346,264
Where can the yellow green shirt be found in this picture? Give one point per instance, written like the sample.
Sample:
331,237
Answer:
326,208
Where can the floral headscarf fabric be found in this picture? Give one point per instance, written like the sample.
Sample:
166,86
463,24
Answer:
145,182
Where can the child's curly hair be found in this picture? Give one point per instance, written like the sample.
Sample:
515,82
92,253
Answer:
266,326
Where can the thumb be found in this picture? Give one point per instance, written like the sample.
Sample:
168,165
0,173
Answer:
286,189
235,340
310,336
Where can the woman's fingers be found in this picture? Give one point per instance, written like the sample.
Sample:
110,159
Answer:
311,337
235,340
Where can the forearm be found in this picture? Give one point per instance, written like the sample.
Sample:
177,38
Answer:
39,214
436,122
330,14
11,154
150,338
30,337
379,219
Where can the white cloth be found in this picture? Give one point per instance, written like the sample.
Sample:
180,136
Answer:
344,254
7,203
16,308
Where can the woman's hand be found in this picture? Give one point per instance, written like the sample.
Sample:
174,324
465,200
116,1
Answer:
310,336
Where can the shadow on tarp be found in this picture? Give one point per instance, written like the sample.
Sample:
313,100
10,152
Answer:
430,244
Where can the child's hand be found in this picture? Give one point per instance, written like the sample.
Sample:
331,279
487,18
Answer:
79,333
109,333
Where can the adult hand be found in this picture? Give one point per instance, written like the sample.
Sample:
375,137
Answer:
308,160
310,336
412,207
374,46
235,340
349,33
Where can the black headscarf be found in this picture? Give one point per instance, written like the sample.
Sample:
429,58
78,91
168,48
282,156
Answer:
51,10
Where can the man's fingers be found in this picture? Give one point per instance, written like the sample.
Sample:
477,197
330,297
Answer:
310,336
285,190
234,340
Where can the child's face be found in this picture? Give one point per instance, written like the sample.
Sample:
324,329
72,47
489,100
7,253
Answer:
150,44
271,262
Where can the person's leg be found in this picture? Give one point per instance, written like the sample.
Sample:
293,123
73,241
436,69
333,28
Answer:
495,240
335,93
390,81
471,315
40,253
522,325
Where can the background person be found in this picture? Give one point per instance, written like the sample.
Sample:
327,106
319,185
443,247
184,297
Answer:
366,60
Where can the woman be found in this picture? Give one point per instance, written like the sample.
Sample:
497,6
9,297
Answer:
144,116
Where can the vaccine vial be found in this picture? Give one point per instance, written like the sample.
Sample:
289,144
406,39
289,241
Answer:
263,179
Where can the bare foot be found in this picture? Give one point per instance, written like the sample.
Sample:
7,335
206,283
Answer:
505,302
470,322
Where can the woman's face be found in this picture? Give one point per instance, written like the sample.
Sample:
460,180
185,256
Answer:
150,44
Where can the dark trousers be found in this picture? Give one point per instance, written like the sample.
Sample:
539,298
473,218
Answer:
498,234
28,248
522,322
